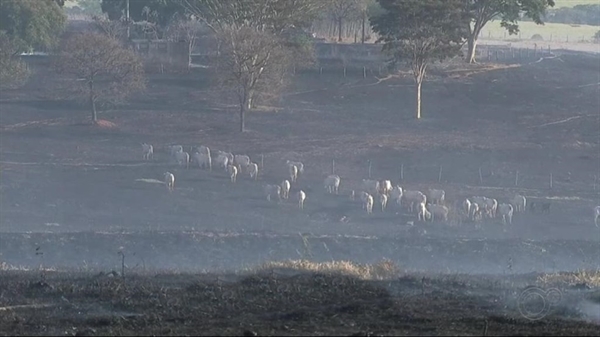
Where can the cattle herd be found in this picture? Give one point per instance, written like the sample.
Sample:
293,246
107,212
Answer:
428,206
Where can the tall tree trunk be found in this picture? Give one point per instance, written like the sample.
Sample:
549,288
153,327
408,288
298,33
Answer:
245,104
419,83
362,36
472,44
339,30
93,103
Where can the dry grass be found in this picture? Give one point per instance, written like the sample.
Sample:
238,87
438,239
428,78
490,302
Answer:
588,277
383,270
106,124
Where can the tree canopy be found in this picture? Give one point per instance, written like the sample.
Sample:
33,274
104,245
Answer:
419,32
509,11
13,71
97,68
32,23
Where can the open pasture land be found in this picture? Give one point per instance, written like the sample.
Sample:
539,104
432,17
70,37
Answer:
549,31
61,175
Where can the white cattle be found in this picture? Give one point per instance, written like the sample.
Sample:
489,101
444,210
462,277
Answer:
253,170
371,186
273,190
383,199
183,158
233,172
367,201
396,194
203,149
482,202
301,196
203,160
466,207
423,214
285,189
241,161
169,181
414,197
506,210
475,212
386,186
492,206
332,183
174,149
298,165
438,211
147,151
436,196
519,202
222,161
229,156
293,173
369,204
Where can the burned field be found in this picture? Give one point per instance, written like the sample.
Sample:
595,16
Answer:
81,193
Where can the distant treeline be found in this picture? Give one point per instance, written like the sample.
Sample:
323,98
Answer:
580,14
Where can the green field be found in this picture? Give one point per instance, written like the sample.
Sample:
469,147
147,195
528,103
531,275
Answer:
573,3
550,31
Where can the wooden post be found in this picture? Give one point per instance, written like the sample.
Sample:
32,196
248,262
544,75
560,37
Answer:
440,175
480,177
321,71
550,180
402,172
333,166
344,71
262,161
294,70
369,168
364,72
517,178
595,179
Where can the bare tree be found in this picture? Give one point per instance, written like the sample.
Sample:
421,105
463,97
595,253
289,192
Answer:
252,64
113,29
343,10
99,69
13,71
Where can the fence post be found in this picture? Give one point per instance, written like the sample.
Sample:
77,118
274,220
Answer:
364,72
344,71
333,166
262,161
550,180
369,168
321,71
517,178
480,176
440,175
402,172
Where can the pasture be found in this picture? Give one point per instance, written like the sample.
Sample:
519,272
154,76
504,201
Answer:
556,32
73,194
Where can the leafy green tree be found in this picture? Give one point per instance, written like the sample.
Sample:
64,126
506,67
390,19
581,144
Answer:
509,11
13,71
420,32
97,68
32,23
